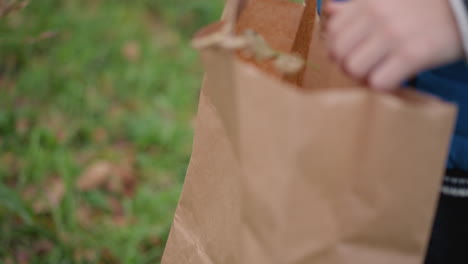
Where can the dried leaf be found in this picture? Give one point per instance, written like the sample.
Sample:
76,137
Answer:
289,63
48,198
55,191
115,206
215,38
258,46
22,126
6,9
127,173
61,136
43,246
22,256
29,193
95,176
10,162
58,123
119,218
100,135
8,260
131,51
108,257
150,243
235,42
84,215
254,46
124,177
85,255
40,206
43,36
114,184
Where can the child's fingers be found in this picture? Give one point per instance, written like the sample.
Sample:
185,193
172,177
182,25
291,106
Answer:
393,70
366,56
344,16
343,43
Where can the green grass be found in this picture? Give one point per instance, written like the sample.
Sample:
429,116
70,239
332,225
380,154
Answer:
112,81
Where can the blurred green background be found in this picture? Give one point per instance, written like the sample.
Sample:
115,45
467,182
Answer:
97,100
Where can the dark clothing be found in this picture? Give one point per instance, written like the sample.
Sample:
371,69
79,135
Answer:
451,83
449,240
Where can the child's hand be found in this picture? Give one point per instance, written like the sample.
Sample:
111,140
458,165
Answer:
388,41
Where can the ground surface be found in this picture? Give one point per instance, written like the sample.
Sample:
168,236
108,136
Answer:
96,103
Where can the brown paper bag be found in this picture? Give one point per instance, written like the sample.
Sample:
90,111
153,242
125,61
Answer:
304,168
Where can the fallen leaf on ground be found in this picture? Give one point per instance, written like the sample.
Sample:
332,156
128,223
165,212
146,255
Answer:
55,192
100,135
9,161
22,126
43,246
114,184
43,36
87,255
50,197
7,8
118,213
95,176
127,173
149,243
22,256
123,179
131,51
84,215
108,257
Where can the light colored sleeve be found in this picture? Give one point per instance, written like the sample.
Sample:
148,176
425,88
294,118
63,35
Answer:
460,10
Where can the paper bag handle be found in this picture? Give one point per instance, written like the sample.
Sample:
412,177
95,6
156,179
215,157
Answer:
234,9
301,45
303,37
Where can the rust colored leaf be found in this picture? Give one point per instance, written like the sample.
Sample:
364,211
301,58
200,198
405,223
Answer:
95,176
289,63
86,255
22,256
100,135
131,51
120,220
128,175
7,8
108,257
43,246
115,206
40,205
29,193
22,126
10,162
124,177
118,214
48,198
55,191
43,36
114,184
84,215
